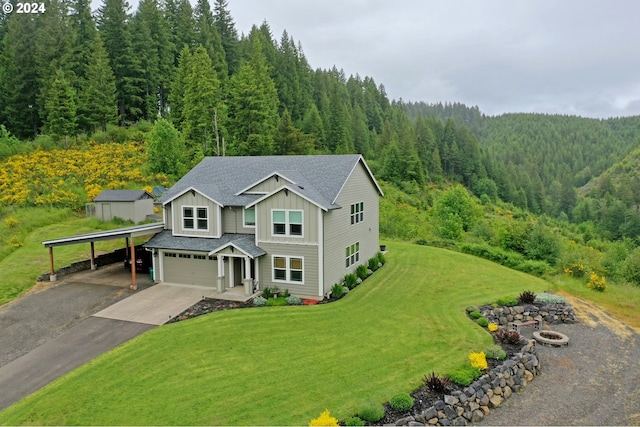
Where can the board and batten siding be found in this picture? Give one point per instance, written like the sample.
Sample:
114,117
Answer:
309,253
282,201
195,200
269,185
168,219
339,233
233,221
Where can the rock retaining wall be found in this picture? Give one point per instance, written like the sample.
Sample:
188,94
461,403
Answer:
473,403
101,260
547,313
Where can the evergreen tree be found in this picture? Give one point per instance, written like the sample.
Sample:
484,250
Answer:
176,96
179,15
208,36
228,34
201,106
60,108
113,23
166,149
97,99
289,140
84,28
312,125
253,107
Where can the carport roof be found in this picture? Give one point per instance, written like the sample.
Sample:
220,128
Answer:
138,230
244,242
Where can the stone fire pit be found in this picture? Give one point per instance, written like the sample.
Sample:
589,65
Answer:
552,338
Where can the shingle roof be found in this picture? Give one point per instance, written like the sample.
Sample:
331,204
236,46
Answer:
122,196
244,242
318,178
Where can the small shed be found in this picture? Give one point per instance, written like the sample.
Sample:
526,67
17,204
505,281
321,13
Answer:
133,205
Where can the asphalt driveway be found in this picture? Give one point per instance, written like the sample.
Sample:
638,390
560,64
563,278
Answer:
49,331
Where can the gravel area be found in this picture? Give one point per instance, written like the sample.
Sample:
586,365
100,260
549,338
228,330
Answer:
593,381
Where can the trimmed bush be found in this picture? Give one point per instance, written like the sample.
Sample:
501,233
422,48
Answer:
362,272
293,300
325,419
371,412
472,308
494,351
507,337
478,360
507,301
550,298
350,280
381,258
279,301
483,322
372,264
259,301
464,375
337,291
354,421
475,314
401,402
266,293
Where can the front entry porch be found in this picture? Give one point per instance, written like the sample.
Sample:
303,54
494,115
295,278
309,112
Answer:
237,273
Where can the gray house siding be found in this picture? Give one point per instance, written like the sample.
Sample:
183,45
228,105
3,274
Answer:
268,185
195,200
233,221
309,253
339,233
284,201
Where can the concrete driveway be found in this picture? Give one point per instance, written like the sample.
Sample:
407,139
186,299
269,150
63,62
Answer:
51,329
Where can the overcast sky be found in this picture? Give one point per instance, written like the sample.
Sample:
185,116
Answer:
579,57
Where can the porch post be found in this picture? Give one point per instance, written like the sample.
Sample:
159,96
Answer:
247,281
220,274
93,257
52,272
134,286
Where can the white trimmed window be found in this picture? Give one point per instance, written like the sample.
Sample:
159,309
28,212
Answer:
249,215
195,218
357,213
353,254
287,222
288,269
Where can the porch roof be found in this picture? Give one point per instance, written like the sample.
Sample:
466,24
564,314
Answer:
244,242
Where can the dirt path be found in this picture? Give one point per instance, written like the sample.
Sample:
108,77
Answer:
593,381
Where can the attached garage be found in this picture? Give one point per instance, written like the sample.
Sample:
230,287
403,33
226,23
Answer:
189,268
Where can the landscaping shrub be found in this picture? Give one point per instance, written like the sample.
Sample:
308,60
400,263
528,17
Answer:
337,291
535,268
542,245
401,402
492,327
381,258
478,360
350,280
293,300
354,421
266,293
471,308
279,301
325,419
550,298
437,384
507,337
362,271
492,253
373,263
527,297
494,351
259,301
371,412
475,314
507,301
464,375
597,283
483,322
286,293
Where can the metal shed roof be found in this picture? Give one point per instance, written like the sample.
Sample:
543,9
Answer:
138,230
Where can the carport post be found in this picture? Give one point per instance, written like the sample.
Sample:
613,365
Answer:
93,257
133,286
52,272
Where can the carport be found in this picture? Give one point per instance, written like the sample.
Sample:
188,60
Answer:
127,233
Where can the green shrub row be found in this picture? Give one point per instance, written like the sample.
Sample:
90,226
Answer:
509,259
352,280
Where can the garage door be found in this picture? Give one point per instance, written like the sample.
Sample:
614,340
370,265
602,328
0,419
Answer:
190,269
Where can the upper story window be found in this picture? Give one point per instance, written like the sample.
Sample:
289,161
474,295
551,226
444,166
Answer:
357,213
250,217
195,218
287,222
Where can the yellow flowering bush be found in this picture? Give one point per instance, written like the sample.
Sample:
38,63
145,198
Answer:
325,419
72,177
478,360
597,283
492,327
575,270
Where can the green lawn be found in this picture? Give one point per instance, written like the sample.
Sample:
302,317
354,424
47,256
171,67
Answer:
285,365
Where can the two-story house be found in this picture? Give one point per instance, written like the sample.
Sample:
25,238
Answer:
296,222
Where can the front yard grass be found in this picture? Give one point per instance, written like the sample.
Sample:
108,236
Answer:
285,365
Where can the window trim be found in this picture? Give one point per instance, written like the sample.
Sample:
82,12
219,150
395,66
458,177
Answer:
287,269
195,218
356,213
244,218
287,223
353,258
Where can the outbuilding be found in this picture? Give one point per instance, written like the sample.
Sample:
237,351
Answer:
132,205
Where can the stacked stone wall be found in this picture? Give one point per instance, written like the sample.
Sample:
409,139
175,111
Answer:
547,313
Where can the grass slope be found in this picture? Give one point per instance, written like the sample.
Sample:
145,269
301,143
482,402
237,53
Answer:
285,365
